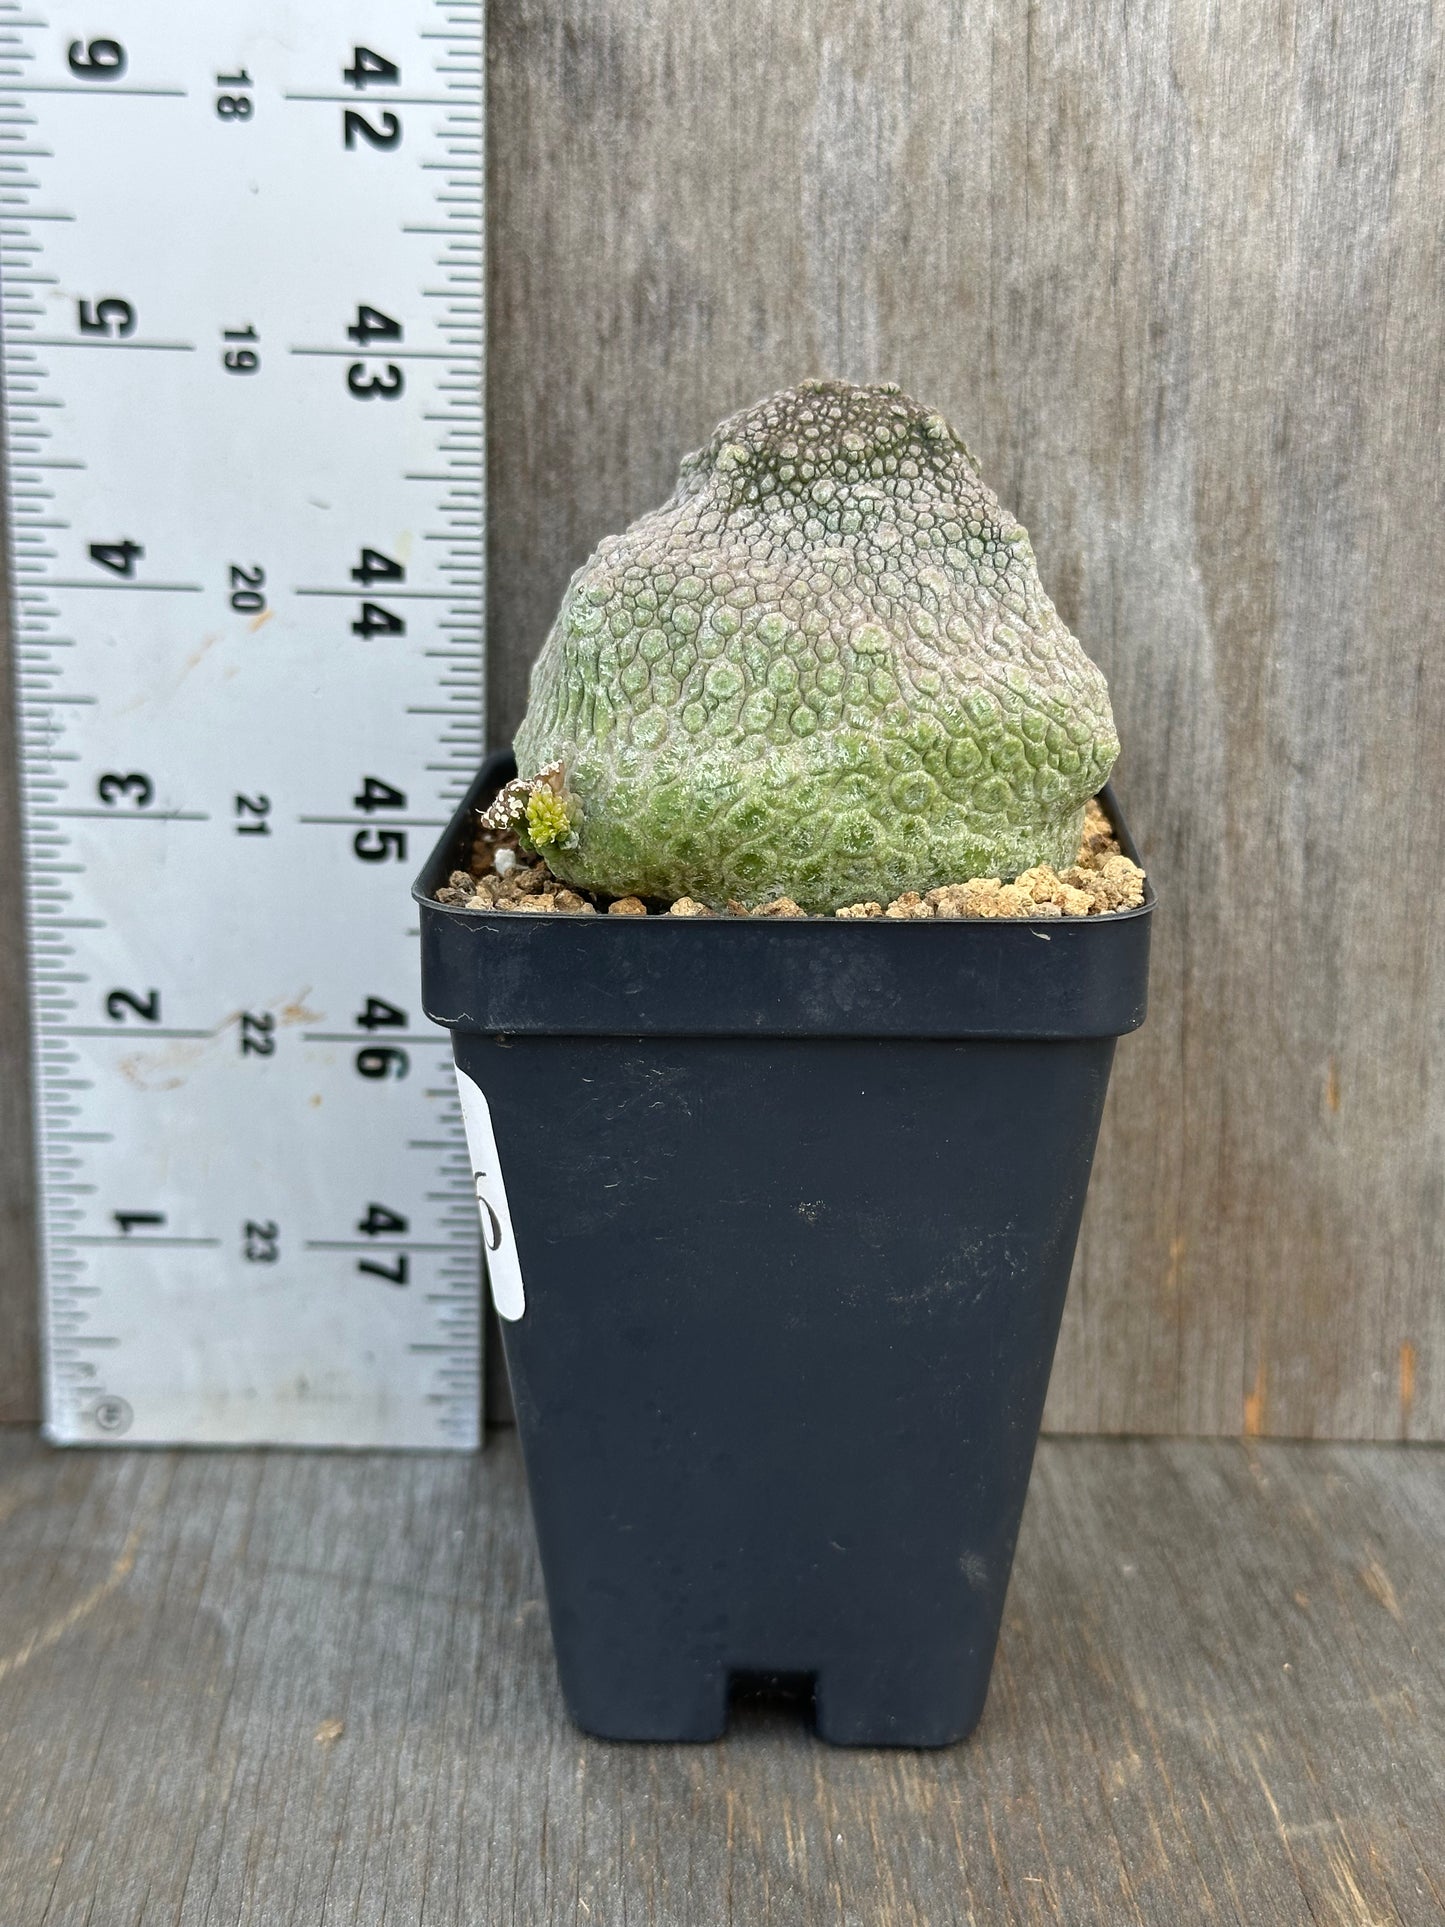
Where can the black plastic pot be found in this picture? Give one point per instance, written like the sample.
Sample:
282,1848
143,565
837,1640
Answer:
793,1206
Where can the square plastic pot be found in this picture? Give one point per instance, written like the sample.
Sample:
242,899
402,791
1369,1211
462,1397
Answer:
781,1216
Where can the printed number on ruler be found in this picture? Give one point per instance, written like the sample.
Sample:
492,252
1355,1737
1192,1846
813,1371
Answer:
243,321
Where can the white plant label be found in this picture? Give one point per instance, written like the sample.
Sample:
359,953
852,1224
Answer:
503,1266
241,253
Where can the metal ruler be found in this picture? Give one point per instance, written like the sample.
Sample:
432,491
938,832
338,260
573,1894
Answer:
243,332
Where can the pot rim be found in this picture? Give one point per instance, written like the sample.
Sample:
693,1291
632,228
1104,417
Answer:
501,972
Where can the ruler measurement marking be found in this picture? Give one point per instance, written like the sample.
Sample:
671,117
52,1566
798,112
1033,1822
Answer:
122,588
392,595
371,1244
125,1034
139,1243
365,1037
389,821
457,356
128,816
115,347
382,100
95,93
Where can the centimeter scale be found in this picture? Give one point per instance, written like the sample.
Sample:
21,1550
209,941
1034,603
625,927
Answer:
243,332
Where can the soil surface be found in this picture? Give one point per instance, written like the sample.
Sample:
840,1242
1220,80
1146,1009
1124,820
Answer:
1101,878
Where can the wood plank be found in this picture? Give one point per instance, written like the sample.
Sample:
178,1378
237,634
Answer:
1174,273
284,1687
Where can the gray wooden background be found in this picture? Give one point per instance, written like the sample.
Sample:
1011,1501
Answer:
1177,273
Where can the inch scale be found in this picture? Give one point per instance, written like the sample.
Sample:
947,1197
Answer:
241,263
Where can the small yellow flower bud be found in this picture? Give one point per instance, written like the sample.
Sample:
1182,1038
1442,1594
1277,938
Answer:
547,818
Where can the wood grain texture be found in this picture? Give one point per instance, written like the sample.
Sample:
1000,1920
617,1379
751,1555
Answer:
265,1688
1174,272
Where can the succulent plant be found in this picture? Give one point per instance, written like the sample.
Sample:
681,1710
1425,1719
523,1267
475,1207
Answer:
824,669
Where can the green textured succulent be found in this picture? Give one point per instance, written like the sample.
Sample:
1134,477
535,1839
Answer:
825,669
